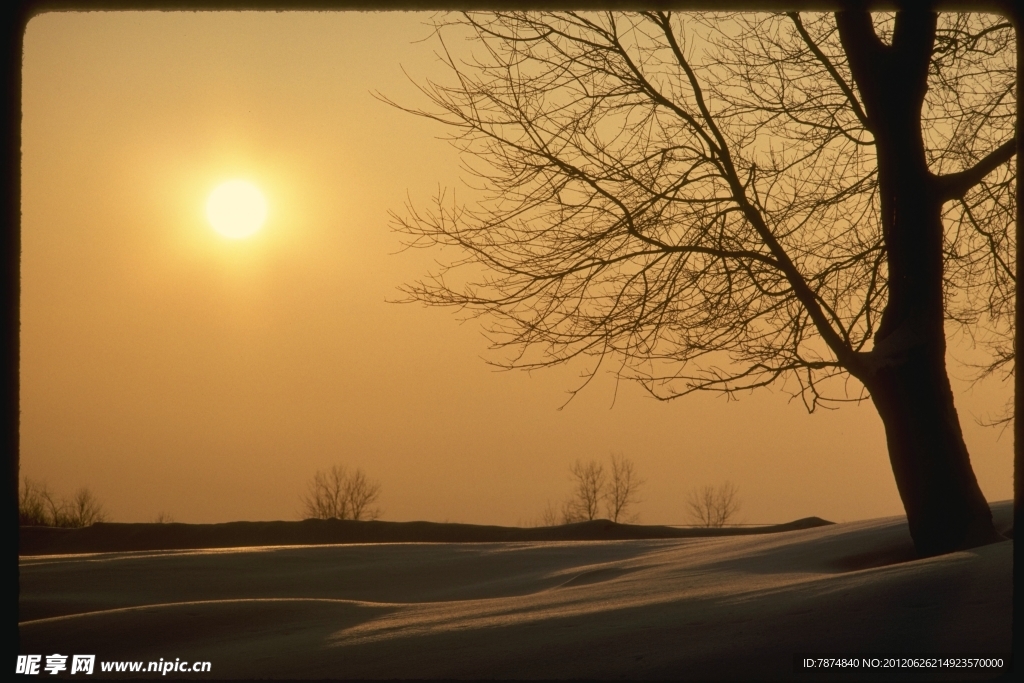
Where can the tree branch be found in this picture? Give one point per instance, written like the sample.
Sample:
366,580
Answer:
827,63
956,185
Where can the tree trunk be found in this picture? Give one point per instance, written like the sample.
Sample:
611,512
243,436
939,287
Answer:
905,373
945,507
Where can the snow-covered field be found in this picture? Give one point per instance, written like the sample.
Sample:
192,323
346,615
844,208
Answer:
732,607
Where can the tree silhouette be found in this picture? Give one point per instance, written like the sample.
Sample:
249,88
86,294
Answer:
618,487
340,494
722,203
588,490
623,489
38,506
711,508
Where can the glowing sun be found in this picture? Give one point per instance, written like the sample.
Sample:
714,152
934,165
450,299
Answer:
236,209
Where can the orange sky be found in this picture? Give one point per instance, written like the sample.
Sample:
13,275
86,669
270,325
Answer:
172,370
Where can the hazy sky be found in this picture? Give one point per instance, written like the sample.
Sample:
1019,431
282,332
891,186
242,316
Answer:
170,369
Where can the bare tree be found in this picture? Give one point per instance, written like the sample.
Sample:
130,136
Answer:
623,489
38,506
325,498
84,509
588,490
592,485
339,494
360,494
721,203
711,508
32,507
550,515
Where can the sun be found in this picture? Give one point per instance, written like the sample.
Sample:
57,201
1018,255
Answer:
236,209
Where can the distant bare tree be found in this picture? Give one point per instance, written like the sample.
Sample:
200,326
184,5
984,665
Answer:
337,494
57,509
32,509
38,506
592,485
84,509
589,480
163,518
550,515
711,508
360,494
325,499
622,490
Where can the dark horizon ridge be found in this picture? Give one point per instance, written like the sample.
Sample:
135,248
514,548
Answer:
143,536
